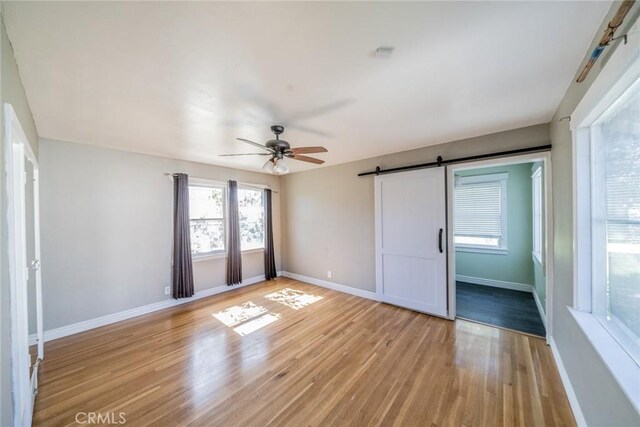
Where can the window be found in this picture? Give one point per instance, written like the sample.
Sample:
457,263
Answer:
480,213
606,160
207,218
536,181
251,212
615,180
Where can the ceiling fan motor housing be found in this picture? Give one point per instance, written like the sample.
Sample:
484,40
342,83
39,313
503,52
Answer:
278,144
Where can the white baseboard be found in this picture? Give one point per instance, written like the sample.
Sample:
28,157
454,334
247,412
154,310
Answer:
495,283
333,286
568,388
86,325
543,317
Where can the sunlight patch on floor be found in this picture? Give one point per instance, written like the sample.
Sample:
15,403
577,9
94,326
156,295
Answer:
255,324
293,298
239,313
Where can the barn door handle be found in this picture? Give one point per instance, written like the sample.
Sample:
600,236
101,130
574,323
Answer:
440,240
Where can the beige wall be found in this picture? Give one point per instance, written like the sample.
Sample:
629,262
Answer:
329,212
107,230
11,91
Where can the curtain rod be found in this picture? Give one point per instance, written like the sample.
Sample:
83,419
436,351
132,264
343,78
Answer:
248,184
441,162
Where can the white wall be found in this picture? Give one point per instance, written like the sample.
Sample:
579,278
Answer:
107,230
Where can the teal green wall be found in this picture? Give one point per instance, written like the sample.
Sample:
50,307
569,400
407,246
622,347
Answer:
516,266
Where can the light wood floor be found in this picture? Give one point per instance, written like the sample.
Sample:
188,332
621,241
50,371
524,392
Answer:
339,360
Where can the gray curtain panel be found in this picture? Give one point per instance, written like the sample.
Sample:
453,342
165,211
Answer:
234,256
269,255
182,274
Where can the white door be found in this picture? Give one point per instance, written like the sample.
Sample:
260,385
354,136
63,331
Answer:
411,238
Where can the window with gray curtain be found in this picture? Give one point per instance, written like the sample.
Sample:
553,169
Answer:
182,270
234,256
269,255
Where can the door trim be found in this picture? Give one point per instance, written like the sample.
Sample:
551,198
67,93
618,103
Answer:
545,158
17,150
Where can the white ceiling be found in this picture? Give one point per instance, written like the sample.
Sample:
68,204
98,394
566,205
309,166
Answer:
183,80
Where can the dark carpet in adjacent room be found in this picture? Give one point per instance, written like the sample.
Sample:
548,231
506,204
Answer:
500,307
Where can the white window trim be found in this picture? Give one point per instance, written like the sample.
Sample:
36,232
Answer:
618,74
503,249
480,249
537,175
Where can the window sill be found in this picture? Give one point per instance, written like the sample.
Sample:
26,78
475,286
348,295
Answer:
207,257
623,368
219,255
479,250
252,251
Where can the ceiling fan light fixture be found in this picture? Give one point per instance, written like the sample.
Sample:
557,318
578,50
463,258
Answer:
277,149
281,167
268,166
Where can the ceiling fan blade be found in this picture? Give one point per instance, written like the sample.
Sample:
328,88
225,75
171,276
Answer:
308,150
245,154
255,144
306,159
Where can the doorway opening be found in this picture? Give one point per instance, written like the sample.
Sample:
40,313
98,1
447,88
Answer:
499,229
23,232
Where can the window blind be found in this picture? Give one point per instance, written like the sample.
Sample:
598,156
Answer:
478,209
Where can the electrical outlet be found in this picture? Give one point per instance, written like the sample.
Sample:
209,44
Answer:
167,290
329,274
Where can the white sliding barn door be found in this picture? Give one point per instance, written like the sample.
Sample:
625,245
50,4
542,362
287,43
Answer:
411,238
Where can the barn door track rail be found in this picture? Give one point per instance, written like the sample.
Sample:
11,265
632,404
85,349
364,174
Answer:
441,162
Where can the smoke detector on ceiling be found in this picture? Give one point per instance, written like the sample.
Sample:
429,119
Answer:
384,52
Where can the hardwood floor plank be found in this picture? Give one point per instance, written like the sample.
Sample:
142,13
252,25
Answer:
325,358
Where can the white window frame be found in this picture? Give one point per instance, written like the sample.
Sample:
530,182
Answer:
503,179
198,182
249,187
538,223
616,77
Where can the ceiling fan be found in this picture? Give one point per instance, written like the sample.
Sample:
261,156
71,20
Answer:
278,149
